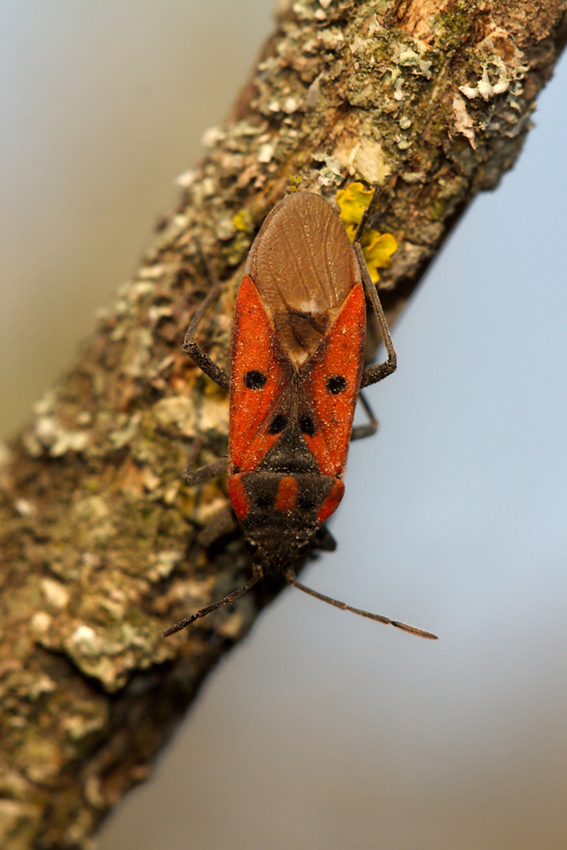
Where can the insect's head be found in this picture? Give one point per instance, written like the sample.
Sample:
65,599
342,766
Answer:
280,513
273,554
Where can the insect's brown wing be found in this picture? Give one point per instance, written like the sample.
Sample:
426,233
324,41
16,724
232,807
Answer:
304,267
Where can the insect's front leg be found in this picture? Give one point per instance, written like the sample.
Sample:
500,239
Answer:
222,522
373,374
205,473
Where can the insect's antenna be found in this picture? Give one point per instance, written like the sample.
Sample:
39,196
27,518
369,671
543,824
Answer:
240,591
414,630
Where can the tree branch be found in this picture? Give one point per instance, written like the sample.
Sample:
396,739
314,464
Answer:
99,552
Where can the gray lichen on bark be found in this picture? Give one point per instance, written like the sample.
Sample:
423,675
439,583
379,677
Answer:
99,553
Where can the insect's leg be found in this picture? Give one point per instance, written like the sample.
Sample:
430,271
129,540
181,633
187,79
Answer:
291,578
205,473
360,431
373,374
223,521
191,348
258,574
220,525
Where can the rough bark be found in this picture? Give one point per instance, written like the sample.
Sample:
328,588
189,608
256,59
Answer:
431,100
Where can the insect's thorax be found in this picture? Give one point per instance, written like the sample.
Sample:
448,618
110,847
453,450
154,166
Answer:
284,500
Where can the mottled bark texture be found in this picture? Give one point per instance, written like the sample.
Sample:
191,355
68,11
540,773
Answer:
431,100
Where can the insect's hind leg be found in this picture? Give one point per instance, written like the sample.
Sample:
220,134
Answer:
191,348
361,431
373,374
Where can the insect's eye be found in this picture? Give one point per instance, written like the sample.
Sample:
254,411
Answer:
255,380
307,425
336,384
251,546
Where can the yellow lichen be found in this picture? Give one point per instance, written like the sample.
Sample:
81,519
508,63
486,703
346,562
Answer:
243,222
377,247
293,183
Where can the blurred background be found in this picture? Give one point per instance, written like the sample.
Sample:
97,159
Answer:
324,730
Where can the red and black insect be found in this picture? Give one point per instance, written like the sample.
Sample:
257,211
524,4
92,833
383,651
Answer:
296,370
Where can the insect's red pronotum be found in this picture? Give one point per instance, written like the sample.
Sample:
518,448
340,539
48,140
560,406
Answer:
296,370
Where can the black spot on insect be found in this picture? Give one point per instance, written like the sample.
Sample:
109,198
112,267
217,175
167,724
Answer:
336,384
264,501
255,380
277,424
307,425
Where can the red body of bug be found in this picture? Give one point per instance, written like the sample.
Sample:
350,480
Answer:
296,369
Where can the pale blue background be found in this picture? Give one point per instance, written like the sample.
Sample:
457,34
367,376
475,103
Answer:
325,731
